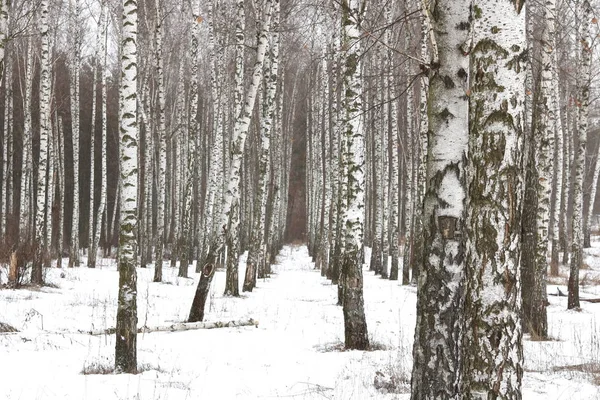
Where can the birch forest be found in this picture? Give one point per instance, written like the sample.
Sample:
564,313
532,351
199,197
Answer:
408,185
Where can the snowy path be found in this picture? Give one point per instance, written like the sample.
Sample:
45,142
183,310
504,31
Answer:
292,354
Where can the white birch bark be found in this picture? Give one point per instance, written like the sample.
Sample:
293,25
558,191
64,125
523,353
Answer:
42,212
7,146
25,205
126,327
4,28
558,164
583,96
104,113
6,73
75,67
231,280
92,213
60,163
409,201
395,190
437,348
162,138
377,166
325,125
535,299
355,325
568,181
495,182
421,161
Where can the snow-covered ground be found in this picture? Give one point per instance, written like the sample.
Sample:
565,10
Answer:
294,353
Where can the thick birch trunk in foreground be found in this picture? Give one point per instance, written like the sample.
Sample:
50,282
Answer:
493,344
355,324
440,292
583,98
126,331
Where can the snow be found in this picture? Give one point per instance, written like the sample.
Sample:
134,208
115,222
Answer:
293,353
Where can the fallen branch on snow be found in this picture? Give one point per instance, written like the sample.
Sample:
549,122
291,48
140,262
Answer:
590,300
181,326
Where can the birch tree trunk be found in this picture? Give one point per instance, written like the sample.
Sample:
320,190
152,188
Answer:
232,240
558,165
75,68
355,324
162,138
60,175
4,32
103,178
92,213
25,214
583,98
394,164
126,327
590,211
5,184
7,145
421,161
568,180
493,344
42,213
437,348
539,186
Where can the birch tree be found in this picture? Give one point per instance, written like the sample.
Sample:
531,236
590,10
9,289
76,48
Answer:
5,184
437,347
42,213
493,343
103,178
355,325
162,138
231,279
583,98
126,328
26,184
7,146
75,68
557,191
539,186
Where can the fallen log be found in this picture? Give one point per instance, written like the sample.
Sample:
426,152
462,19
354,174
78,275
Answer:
590,300
178,327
